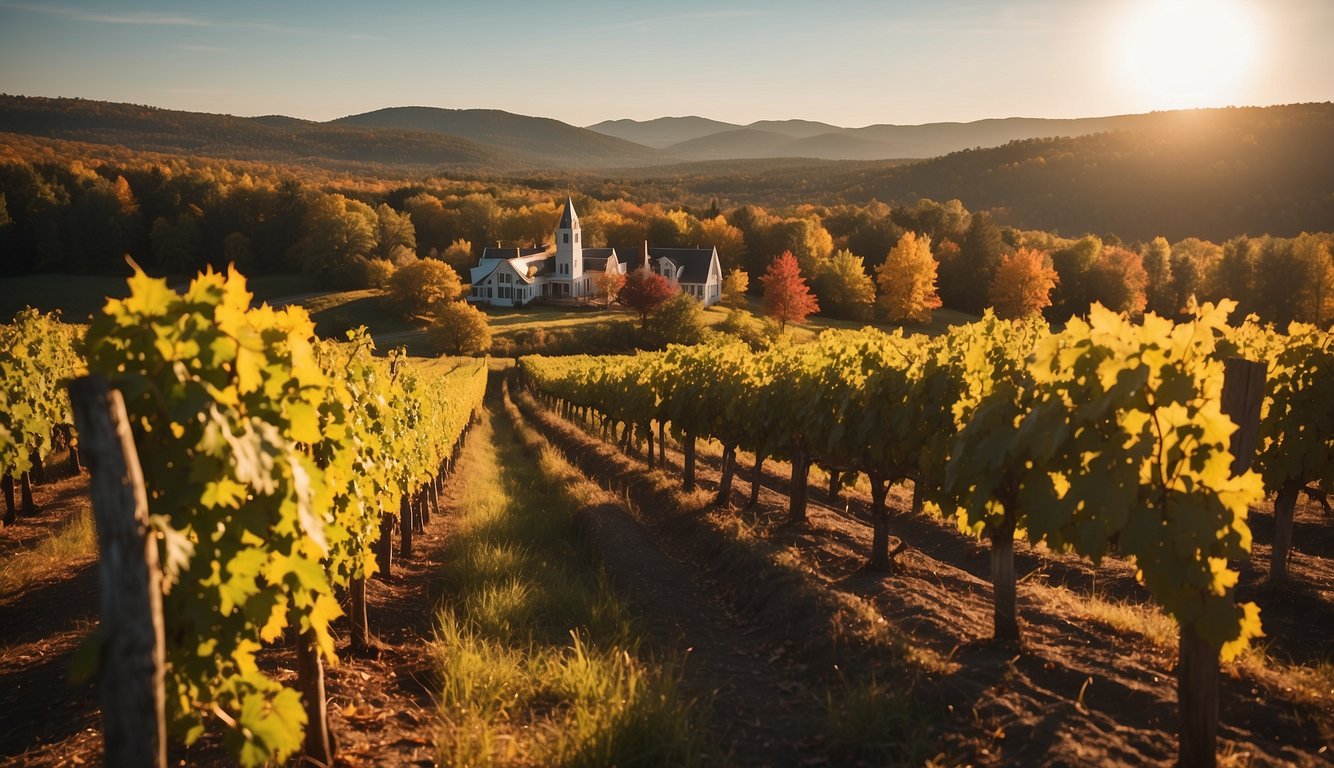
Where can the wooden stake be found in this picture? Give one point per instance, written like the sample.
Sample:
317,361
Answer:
133,654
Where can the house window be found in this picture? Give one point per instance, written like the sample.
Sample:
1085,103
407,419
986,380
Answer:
576,237
567,238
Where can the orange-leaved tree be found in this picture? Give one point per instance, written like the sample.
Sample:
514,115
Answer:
1022,285
787,298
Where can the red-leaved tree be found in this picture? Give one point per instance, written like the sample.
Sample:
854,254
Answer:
787,298
645,291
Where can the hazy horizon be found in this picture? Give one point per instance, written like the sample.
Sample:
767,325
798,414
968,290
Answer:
846,62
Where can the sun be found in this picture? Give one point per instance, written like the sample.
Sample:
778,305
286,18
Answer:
1187,53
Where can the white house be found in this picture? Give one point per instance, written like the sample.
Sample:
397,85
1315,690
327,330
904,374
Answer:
512,277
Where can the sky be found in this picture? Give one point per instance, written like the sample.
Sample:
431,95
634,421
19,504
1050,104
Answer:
845,62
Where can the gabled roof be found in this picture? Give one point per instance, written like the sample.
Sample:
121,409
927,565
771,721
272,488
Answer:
693,262
521,265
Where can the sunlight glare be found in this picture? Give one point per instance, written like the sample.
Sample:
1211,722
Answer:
1188,53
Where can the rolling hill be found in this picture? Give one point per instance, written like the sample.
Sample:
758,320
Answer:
271,138
542,138
700,139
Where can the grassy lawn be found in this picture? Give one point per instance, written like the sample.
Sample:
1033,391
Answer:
335,312
80,296
539,661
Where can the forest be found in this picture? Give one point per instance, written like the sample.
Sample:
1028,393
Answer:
68,207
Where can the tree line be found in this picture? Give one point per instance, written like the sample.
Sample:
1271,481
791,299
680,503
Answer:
85,215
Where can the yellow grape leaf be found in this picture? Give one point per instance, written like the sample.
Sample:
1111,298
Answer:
149,296
305,420
1250,629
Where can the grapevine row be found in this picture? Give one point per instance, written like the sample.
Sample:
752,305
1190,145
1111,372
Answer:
37,354
275,464
1107,436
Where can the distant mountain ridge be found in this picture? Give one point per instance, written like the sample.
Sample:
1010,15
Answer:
540,137
700,139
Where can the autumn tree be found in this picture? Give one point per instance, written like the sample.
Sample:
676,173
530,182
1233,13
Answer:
607,284
735,284
907,280
1193,260
1022,285
396,234
756,333
1233,276
787,298
421,286
680,320
459,328
1156,257
844,288
337,236
729,240
1314,288
1118,281
645,291
458,255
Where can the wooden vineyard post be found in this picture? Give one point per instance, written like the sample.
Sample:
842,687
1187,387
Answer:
132,651
384,551
801,467
405,524
1197,665
1243,394
11,511
310,676
688,471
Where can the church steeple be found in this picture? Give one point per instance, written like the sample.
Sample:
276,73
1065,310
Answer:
569,251
568,218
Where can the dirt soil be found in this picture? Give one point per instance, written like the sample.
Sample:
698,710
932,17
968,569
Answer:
1077,692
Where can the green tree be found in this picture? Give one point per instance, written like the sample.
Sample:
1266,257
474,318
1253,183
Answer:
176,245
679,320
907,280
844,288
756,333
1073,263
964,279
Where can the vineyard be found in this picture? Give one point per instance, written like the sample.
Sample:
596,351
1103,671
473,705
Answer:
1088,491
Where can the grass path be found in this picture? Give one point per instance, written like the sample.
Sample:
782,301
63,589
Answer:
539,662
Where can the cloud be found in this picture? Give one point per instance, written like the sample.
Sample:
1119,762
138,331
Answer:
156,19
